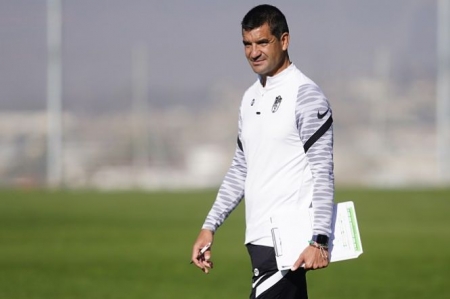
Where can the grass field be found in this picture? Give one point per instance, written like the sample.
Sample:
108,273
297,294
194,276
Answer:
138,245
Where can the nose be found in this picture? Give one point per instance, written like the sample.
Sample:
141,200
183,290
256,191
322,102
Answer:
255,52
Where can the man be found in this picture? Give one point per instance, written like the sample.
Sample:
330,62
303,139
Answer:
283,160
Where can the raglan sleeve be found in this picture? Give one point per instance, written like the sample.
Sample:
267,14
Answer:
315,126
231,190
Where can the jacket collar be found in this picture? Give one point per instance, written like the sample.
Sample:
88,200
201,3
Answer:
277,80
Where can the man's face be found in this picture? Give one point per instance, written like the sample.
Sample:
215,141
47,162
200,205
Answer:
265,53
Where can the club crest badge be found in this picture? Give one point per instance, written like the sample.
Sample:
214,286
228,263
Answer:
276,104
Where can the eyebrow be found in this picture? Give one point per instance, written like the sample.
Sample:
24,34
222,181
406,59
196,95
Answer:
259,42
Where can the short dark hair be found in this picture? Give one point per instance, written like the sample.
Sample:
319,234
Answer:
265,13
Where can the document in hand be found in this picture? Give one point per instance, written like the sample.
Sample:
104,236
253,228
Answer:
292,230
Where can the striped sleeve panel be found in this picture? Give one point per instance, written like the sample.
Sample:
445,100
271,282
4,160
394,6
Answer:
231,190
314,121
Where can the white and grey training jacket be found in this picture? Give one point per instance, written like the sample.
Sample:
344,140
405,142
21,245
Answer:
283,157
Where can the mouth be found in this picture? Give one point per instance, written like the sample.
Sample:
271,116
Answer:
257,62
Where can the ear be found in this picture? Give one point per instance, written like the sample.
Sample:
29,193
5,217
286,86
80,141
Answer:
285,37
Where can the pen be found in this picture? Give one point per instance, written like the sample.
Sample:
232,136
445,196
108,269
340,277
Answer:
203,250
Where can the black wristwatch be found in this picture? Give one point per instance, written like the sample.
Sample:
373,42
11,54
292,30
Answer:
320,239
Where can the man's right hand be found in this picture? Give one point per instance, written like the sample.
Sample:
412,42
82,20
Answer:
203,261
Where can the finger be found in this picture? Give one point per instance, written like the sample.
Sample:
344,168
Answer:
298,263
197,263
203,262
206,266
195,250
316,265
207,255
204,257
196,259
309,263
206,260
320,263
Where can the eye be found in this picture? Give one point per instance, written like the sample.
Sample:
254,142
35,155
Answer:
263,42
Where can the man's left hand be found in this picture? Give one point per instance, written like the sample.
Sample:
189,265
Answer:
312,258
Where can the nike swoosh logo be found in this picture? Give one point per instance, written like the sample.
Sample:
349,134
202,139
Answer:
256,282
322,115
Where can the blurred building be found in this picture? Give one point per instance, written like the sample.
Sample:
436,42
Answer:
383,137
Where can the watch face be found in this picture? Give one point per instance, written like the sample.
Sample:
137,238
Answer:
321,239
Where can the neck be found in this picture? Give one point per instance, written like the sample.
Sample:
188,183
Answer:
283,65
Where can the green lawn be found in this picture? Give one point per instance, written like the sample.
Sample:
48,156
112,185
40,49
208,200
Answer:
138,245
